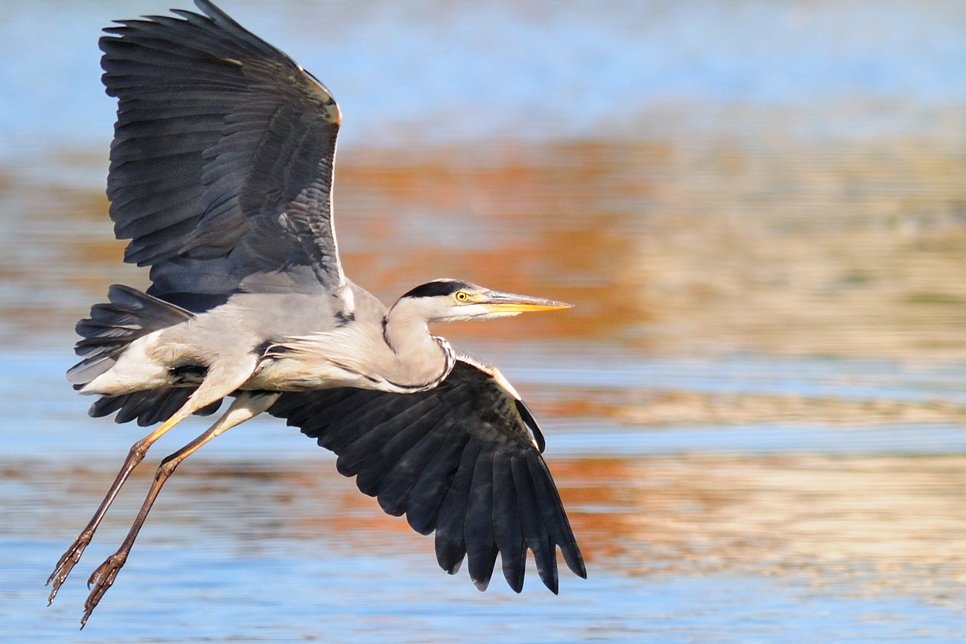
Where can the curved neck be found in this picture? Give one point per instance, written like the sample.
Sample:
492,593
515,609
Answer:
421,357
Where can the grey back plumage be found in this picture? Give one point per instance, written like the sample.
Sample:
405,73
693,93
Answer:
221,166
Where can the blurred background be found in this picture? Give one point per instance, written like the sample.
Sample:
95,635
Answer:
755,412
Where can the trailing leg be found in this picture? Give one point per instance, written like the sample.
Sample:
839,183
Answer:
219,383
245,406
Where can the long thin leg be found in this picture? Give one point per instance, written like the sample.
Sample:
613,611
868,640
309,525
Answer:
73,554
211,389
246,406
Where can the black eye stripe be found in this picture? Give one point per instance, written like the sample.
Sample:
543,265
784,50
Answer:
434,289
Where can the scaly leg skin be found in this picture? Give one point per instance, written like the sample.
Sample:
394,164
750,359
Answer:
212,389
73,554
245,407
102,579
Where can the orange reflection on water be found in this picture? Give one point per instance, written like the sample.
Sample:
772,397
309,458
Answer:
538,221
881,523
875,524
678,246
656,406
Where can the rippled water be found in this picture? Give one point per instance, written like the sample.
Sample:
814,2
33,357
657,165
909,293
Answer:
755,413
752,533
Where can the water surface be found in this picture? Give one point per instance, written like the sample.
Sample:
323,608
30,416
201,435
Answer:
755,413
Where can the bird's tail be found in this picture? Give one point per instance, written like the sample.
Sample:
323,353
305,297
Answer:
111,328
128,315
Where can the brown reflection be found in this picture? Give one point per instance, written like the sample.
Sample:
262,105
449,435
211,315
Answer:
547,220
872,524
838,248
688,246
57,252
677,246
644,407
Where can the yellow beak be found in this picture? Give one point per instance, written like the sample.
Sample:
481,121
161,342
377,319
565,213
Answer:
498,302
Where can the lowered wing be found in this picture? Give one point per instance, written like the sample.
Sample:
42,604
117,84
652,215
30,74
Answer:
221,165
458,459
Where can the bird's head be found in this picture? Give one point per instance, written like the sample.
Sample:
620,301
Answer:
448,300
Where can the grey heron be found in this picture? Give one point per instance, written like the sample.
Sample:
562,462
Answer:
221,176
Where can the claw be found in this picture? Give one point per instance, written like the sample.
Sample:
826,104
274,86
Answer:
66,563
102,579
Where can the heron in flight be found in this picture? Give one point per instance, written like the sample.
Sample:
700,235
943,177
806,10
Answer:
221,177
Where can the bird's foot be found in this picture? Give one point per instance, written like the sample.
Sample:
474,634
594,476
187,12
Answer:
66,563
101,580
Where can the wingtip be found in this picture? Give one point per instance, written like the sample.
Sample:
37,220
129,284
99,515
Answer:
575,561
514,577
551,580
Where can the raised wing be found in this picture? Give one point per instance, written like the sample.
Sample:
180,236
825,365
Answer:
221,165
458,459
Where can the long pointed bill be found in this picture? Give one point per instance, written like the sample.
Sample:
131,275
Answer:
498,302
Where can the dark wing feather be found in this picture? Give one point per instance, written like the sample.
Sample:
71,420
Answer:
149,406
450,538
478,525
458,459
221,165
506,524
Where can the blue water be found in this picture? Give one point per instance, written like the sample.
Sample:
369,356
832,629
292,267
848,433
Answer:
817,377
438,71
59,429
189,591
855,532
218,561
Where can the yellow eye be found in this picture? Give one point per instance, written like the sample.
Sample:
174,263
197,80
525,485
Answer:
461,296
